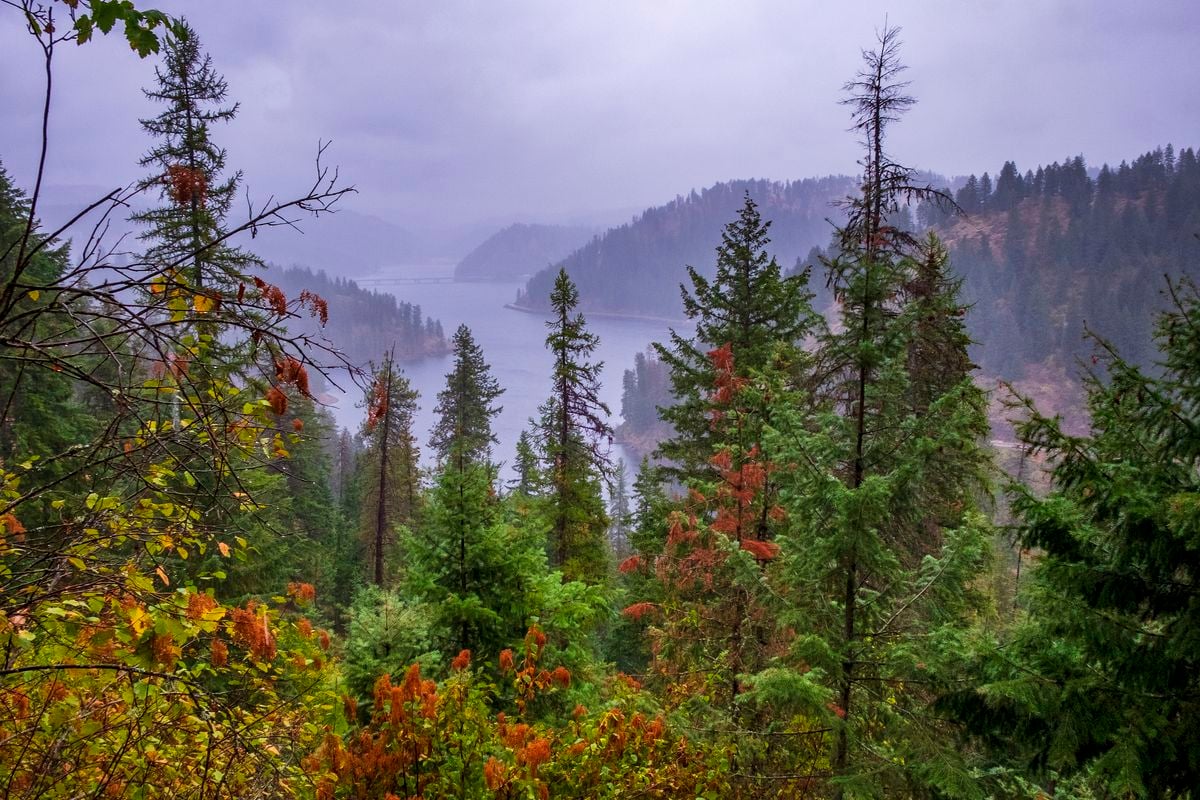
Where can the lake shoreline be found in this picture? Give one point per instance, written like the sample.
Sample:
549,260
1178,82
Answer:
604,315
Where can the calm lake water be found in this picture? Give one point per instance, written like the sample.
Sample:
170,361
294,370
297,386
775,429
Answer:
513,343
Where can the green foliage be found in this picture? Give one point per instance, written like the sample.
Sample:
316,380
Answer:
141,26
385,634
480,575
750,308
1098,681
465,408
42,419
186,233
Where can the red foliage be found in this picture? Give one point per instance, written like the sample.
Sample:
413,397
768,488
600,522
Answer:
166,652
278,401
252,630
495,775
461,661
220,653
187,184
301,593
199,605
638,610
290,371
727,383
316,305
377,408
634,562
13,526
535,754
506,660
273,296
763,551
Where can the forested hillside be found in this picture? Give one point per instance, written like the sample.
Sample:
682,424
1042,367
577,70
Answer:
1047,253
361,323
637,267
520,250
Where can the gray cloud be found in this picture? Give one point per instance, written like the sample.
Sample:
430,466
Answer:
466,111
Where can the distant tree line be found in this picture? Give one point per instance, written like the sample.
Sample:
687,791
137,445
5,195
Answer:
634,268
362,323
1050,252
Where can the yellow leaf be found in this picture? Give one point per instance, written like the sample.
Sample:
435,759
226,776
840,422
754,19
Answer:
34,294
76,562
203,303
162,575
138,620
224,548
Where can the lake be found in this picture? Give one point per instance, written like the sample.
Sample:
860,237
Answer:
513,343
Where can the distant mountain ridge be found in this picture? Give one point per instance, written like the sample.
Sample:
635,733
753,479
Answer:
520,250
636,268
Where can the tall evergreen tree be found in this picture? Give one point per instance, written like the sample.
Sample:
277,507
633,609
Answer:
619,513
575,434
476,572
40,413
390,479
527,467
749,307
465,408
186,233
876,585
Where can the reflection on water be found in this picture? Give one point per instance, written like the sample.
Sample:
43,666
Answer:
513,343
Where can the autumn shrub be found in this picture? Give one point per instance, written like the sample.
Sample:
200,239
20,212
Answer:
448,739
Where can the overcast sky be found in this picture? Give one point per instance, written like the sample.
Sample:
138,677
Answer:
578,110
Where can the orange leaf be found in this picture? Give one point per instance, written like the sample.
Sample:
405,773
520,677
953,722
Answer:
224,548
162,575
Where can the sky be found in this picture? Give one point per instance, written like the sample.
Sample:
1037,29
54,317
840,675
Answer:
490,112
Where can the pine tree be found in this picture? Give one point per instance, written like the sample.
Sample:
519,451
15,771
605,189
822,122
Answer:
574,434
390,479
619,512
526,465
749,307
465,408
476,573
186,233
882,538
40,414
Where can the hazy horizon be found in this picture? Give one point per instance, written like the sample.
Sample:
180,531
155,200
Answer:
475,116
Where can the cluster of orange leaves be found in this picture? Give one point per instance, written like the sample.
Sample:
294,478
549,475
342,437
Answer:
187,184
302,594
429,740
272,295
316,305
252,630
377,407
727,382
288,372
